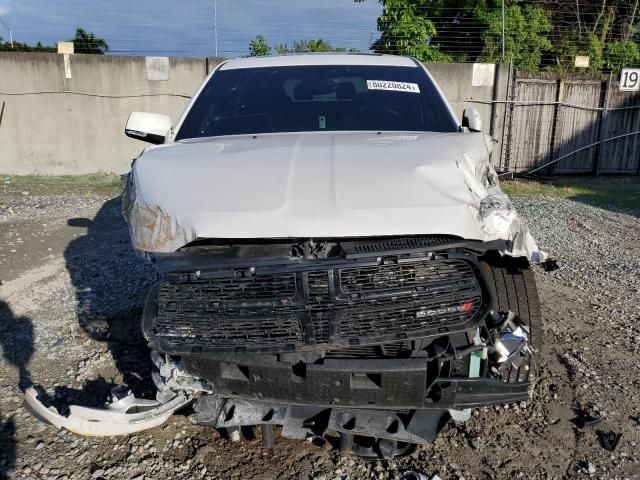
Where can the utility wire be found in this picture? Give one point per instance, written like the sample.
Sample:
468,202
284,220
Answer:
99,95
591,145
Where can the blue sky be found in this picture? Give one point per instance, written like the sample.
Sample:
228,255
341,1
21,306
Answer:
185,28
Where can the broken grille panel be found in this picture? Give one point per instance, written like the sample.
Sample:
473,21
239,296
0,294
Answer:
440,276
316,304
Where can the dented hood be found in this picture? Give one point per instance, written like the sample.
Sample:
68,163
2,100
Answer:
328,184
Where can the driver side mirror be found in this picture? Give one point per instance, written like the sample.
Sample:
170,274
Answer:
148,127
471,119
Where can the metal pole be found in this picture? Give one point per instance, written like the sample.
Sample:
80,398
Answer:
215,23
602,124
10,32
502,31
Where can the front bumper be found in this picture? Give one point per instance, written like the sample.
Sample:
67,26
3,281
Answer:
365,432
374,384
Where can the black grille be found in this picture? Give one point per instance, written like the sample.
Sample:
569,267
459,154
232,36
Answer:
322,303
227,313
433,276
388,350
397,243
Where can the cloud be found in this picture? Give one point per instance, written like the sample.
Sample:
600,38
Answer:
5,8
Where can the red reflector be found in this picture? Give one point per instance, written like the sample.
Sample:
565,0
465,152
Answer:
465,307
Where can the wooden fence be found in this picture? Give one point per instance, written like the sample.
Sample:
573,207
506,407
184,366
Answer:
551,115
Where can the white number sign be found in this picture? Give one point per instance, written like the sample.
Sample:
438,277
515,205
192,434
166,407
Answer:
630,80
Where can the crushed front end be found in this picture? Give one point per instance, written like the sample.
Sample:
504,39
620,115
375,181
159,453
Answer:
376,342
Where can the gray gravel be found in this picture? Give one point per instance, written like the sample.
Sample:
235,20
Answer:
69,322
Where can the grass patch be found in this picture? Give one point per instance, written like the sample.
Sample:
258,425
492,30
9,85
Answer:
102,183
620,192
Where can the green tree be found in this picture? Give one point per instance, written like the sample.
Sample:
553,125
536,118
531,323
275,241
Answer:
538,34
86,42
23,47
259,47
588,28
621,54
282,49
463,30
406,31
525,39
319,45
313,45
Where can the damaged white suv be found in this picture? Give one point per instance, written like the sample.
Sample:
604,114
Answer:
334,256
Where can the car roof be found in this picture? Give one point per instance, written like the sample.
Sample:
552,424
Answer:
308,59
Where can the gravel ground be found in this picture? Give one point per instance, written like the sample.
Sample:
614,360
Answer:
70,300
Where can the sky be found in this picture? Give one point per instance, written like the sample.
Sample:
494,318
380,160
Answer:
186,28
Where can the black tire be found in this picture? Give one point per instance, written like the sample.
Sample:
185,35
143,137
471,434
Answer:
512,287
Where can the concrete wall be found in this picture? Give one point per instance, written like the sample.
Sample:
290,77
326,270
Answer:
64,133
57,133
474,85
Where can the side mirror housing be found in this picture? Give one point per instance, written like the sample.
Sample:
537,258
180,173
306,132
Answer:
471,119
148,127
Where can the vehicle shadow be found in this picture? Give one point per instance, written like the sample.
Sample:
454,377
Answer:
16,341
111,281
16,344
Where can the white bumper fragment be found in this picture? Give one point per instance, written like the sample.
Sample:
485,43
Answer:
123,417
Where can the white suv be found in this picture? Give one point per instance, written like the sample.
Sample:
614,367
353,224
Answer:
334,255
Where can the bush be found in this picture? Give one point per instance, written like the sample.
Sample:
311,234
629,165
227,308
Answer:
621,54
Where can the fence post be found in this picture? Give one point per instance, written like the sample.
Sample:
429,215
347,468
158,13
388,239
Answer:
554,128
507,119
602,125
496,129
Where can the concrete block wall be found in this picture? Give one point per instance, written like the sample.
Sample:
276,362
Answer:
51,132
60,133
457,83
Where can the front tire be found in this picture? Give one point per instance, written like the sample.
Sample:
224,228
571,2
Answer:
512,287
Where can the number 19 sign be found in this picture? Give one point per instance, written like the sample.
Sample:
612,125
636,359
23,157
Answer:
630,80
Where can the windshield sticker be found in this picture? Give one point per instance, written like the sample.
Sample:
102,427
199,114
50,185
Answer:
393,86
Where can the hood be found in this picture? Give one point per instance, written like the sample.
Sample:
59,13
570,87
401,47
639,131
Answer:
328,184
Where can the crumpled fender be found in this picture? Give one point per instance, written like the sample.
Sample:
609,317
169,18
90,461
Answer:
496,216
151,228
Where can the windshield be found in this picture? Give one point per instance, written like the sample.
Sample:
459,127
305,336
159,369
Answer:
317,98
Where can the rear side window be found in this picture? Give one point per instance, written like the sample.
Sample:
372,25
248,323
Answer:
317,98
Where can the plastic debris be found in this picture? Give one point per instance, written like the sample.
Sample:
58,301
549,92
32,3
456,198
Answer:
608,440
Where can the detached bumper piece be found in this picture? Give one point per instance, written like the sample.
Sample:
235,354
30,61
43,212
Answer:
123,417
